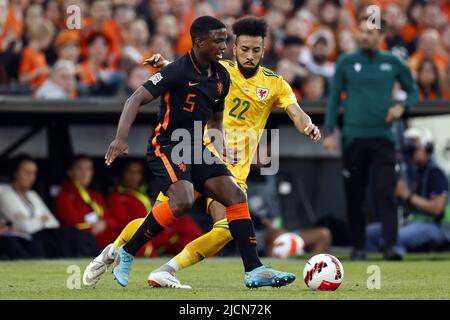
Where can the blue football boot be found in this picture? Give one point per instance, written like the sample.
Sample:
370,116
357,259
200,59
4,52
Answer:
264,276
122,266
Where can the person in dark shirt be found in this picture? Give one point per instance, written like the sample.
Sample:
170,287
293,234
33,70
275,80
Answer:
425,197
368,76
193,89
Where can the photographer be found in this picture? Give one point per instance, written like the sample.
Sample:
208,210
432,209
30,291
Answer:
425,198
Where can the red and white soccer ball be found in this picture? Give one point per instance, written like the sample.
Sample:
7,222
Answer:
288,245
323,272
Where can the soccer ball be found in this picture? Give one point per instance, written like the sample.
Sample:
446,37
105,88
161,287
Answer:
323,272
287,245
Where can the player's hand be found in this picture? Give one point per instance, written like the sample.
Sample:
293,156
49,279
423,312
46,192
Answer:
156,61
312,131
116,148
330,143
395,112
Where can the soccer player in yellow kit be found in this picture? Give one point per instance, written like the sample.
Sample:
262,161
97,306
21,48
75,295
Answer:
254,91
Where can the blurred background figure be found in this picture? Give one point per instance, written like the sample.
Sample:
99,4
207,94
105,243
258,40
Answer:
26,217
62,83
425,196
78,206
428,80
367,138
96,73
33,69
67,46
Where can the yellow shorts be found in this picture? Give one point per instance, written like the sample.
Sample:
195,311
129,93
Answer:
161,197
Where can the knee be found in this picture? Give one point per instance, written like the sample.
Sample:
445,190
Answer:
182,204
237,196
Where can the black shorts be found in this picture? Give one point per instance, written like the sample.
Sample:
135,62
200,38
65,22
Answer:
168,169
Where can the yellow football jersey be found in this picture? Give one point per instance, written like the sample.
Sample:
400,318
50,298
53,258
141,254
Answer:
247,108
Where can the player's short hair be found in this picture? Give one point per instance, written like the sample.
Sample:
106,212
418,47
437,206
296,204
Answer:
201,26
250,26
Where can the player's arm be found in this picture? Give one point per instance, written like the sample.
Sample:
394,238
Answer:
119,146
286,100
303,122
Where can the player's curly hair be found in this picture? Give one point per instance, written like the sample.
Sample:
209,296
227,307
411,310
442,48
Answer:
250,26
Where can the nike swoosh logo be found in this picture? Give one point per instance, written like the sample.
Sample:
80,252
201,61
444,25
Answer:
191,84
265,275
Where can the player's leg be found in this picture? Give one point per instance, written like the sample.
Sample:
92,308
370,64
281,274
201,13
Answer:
181,199
225,190
205,246
99,265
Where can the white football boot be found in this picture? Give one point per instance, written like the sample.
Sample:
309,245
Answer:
97,267
165,279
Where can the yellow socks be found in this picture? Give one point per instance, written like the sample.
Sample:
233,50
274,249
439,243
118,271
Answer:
205,246
128,232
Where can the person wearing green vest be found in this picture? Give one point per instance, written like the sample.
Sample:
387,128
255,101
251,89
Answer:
367,76
425,197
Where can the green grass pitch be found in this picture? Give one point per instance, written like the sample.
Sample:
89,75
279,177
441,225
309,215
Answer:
419,277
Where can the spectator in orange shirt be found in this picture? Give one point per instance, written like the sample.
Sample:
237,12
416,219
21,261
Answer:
10,45
429,48
33,68
96,76
14,24
100,21
67,46
185,14
428,80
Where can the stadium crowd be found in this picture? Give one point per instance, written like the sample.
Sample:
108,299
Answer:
40,56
